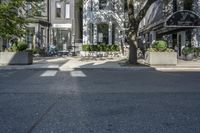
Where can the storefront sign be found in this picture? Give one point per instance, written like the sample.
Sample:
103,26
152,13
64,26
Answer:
62,26
184,19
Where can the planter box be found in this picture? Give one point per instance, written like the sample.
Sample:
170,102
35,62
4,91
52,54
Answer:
161,58
189,57
99,54
16,58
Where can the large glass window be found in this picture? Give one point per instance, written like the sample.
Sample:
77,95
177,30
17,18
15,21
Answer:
102,33
102,4
67,11
30,36
113,33
58,10
61,38
91,32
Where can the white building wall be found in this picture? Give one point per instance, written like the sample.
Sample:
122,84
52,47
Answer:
107,15
196,32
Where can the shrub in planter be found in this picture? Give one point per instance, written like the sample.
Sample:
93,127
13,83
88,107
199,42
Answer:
86,47
159,54
19,46
160,46
100,47
197,52
188,53
17,55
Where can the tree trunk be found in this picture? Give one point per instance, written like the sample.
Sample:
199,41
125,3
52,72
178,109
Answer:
132,49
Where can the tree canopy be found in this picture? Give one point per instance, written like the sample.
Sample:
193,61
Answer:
14,17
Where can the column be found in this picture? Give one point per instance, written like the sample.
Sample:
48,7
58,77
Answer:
95,40
110,33
85,23
153,34
1,43
183,38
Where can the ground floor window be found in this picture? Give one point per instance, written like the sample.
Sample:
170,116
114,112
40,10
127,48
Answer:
30,37
91,33
102,33
61,38
113,33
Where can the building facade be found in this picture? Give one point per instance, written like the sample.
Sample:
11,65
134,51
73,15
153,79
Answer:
55,22
64,30
37,34
103,21
58,25
175,21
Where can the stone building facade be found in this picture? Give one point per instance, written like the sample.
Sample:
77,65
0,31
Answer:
57,23
103,21
153,26
38,30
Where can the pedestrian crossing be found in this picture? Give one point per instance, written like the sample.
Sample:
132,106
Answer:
42,74
49,73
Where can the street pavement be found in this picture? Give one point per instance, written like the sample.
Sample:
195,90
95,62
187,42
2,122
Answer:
99,101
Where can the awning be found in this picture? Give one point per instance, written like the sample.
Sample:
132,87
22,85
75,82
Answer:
40,21
183,19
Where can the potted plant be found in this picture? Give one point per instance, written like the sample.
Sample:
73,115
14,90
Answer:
16,55
188,53
159,54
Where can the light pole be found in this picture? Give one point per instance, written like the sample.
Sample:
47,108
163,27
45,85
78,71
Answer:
74,53
48,20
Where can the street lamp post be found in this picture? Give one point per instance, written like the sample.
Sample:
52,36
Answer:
48,28
74,46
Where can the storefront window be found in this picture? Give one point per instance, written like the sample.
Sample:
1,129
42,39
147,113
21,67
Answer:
61,38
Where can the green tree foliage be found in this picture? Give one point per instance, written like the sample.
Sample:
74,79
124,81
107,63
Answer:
14,17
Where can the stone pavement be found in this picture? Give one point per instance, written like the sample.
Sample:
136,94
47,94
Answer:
71,63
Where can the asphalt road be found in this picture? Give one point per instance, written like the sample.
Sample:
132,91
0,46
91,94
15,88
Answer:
99,101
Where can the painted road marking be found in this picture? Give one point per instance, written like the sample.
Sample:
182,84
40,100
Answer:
77,74
49,73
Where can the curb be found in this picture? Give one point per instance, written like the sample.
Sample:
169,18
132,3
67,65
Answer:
57,67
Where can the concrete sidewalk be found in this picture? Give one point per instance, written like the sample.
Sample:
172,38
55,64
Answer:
71,63
39,63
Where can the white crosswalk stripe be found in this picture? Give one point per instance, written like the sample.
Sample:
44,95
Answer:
77,74
49,73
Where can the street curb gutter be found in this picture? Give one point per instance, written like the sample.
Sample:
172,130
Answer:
101,68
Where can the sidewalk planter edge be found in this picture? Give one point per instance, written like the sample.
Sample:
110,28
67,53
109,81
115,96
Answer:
161,58
16,58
